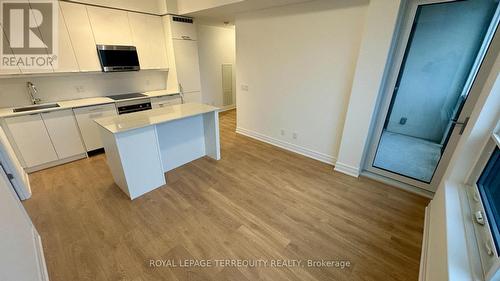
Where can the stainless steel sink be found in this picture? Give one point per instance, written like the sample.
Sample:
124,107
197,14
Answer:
36,107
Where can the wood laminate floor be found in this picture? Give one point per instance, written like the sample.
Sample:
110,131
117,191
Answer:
257,204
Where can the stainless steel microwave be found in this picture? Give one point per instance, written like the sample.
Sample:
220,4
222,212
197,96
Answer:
118,58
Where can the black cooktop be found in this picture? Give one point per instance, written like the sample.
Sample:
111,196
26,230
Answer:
127,96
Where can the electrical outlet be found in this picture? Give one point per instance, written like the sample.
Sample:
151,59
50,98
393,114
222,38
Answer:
283,132
244,87
295,135
148,82
403,120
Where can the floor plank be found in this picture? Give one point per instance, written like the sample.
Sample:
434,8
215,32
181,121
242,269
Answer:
258,202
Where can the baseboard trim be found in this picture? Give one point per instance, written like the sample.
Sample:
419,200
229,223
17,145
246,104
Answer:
425,242
288,146
55,163
398,184
346,169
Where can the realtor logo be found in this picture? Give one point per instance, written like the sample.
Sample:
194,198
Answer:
29,38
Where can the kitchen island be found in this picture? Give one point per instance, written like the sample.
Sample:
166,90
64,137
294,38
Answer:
140,147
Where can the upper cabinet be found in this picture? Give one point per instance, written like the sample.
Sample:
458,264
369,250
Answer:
110,26
82,27
6,71
149,38
80,33
66,56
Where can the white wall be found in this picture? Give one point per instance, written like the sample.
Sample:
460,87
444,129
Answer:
189,6
298,62
379,29
13,91
216,46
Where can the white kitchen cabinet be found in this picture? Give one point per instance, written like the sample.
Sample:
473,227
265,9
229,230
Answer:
110,26
31,138
149,38
80,33
28,69
187,64
89,129
182,28
66,59
64,133
157,102
4,71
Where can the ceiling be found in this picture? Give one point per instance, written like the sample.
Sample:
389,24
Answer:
227,13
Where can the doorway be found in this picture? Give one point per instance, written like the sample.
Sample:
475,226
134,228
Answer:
441,46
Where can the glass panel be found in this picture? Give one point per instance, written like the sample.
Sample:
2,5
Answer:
432,84
489,188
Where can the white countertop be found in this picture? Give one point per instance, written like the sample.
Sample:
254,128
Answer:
126,122
67,104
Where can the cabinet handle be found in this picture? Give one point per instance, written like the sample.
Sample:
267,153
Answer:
185,37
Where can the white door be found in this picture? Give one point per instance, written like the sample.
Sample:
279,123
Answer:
21,254
63,131
187,64
89,129
32,140
80,32
110,26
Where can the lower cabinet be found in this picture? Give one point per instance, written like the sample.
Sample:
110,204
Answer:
64,133
157,102
32,139
46,137
90,131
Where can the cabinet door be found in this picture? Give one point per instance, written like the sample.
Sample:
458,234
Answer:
149,38
63,132
80,32
110,27
4,71
31,138
66,61
157,42
89,129
28,69
187,64
157,102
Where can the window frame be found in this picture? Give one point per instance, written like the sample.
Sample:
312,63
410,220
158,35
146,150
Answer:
490,264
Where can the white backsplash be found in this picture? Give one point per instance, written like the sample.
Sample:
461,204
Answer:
13,91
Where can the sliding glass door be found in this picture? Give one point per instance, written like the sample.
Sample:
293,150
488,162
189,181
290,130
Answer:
442,45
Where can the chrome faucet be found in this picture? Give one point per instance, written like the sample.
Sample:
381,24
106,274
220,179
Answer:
32,91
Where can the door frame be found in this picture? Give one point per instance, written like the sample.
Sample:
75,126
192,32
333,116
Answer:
395,62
